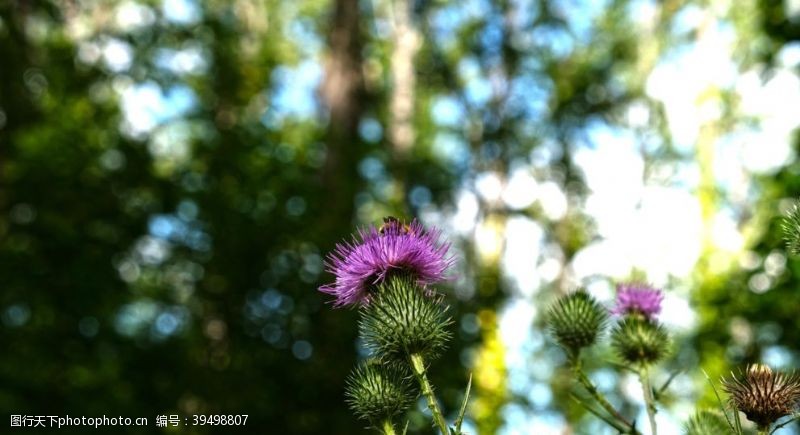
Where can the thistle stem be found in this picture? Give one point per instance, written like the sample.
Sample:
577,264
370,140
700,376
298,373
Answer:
418,366
387,428
650,403
595,393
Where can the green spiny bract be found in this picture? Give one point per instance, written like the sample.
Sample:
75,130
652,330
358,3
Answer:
707,422
639,341
378,392
404,319
791,230
576,321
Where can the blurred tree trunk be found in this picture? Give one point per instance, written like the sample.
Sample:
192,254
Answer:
401,105
342,93
406,42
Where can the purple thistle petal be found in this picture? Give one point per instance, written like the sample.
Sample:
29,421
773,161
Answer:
376,254
638,299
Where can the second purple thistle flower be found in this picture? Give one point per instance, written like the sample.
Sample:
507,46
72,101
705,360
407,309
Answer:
379,253
638,299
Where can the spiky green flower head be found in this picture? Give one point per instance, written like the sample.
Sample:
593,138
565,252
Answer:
404,319
640,341
763,395
791,229
576,321
707,422
377,392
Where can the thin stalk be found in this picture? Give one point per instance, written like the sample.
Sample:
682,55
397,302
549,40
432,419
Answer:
649,402
387,428
789,421
607,419
418,366
736,429
595,393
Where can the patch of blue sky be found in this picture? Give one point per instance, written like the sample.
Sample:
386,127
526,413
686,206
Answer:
778,357
468,67
580,16
146,105
520,421
540,395
525,11
170,321
187,60
686,175
491,36
167,227
117,55
687,19
370,130
519,380
477,88
181,11
162,321
477,9
598,133
448,111
641,11
294,91
445,22
171,228
451,148
555,39
613,167
727,167
372,169
478,91
789,55
133,317
529,95
305,37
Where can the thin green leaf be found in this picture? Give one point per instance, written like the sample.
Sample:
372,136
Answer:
669,380
610,421
738,421
722,406
463,410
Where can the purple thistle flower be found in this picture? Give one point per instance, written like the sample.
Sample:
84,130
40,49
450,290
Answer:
638,299
379,253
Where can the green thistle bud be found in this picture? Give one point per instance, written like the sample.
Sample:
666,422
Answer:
378,392
576,320
640,341
404,319
706,422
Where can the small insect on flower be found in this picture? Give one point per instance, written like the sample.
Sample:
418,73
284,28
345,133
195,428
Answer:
390,222
762,394
376,254
638,300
